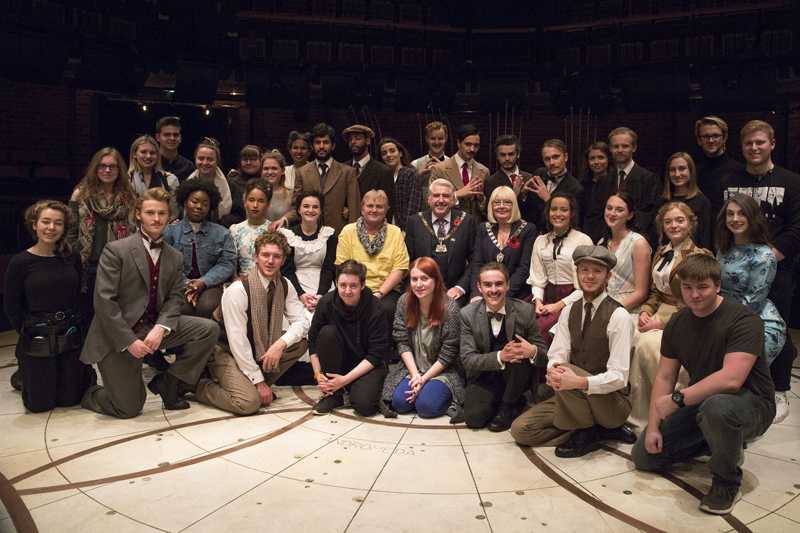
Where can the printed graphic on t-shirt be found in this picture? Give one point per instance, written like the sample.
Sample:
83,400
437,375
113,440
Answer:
769,198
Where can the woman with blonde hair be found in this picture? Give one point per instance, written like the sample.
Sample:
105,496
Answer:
145,170
676,223
207,159
507,239
102,204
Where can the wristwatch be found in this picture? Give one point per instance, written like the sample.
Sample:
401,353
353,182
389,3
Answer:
677,397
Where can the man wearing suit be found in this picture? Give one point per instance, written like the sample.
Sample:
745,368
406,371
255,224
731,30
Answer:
554,177
137,301
499,342
643,186
372,174
337,183
466,174
445,234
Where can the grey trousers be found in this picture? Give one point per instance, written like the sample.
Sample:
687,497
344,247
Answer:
123,394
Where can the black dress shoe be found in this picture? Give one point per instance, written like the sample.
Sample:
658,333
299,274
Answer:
157,361
581,442
16,380
166,386
621,434
503,419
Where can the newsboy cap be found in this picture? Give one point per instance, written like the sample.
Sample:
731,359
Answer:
598,254
359,128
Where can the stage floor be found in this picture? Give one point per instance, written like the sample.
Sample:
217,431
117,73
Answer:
288,470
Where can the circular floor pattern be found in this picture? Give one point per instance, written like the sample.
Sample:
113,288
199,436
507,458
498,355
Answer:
285,469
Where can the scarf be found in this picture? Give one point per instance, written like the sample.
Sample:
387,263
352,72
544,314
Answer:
266,325
374,246
558,242
116,212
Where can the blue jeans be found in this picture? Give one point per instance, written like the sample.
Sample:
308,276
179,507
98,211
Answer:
432,401
720,424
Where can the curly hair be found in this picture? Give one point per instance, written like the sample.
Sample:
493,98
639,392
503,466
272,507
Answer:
189,186
272,237
35,211
669,206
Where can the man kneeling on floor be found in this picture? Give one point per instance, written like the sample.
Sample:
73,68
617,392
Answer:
499,343
258,351
730,397
587,368
137,302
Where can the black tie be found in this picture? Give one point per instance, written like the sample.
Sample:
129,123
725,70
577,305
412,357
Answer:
587,318
621,178
357,166
666,259
323,171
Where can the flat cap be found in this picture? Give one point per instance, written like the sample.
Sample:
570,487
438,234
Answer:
359,128
598,254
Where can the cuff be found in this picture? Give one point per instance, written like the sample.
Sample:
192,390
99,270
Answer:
167,330
500,362
256,377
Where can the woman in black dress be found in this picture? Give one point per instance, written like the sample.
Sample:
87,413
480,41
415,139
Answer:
41,300
507,239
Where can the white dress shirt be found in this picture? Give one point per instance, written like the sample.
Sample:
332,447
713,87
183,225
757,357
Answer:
460,163
560,271
626,169
328,162
661,277
362,162
620,338
234,310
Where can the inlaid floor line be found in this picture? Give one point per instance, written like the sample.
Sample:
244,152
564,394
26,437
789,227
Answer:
578,490
18,513
782,460
271,477
733,521
182,464
127,438
374,481
475,483
777,511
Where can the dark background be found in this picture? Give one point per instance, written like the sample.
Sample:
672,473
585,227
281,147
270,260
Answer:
76,74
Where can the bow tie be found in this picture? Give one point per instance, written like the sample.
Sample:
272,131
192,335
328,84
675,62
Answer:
155,245
495,316
666,259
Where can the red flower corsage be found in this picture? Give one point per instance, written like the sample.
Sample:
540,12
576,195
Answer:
457,222
513,242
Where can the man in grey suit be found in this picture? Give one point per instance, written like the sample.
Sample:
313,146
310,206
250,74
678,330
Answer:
137,301
499,343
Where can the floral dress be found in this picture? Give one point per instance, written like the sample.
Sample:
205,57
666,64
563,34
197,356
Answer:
747,274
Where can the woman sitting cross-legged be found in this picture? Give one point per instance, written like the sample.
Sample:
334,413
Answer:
426,331
209,256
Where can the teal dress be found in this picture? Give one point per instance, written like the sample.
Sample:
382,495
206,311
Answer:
747,274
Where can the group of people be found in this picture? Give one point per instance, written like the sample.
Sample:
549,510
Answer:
530,302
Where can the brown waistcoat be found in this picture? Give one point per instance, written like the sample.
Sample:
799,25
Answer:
591,353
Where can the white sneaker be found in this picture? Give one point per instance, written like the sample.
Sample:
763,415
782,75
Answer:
781,407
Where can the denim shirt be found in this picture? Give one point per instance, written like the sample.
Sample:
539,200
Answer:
216,255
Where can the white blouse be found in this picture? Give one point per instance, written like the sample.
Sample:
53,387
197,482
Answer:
559,271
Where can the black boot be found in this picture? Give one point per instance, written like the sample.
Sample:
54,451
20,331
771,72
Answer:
166,386
581,442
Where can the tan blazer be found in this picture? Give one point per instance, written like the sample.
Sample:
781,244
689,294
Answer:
474,205
340,191
121,295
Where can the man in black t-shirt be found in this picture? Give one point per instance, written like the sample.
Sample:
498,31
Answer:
730,397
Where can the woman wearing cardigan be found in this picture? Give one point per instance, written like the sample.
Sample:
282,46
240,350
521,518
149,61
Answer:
426,331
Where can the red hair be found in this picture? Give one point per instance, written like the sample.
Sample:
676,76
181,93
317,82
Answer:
439,302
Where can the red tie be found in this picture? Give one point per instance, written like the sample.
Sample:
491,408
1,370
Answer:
464,173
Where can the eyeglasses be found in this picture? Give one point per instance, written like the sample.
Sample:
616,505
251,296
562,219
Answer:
507,203
107,168
711,137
